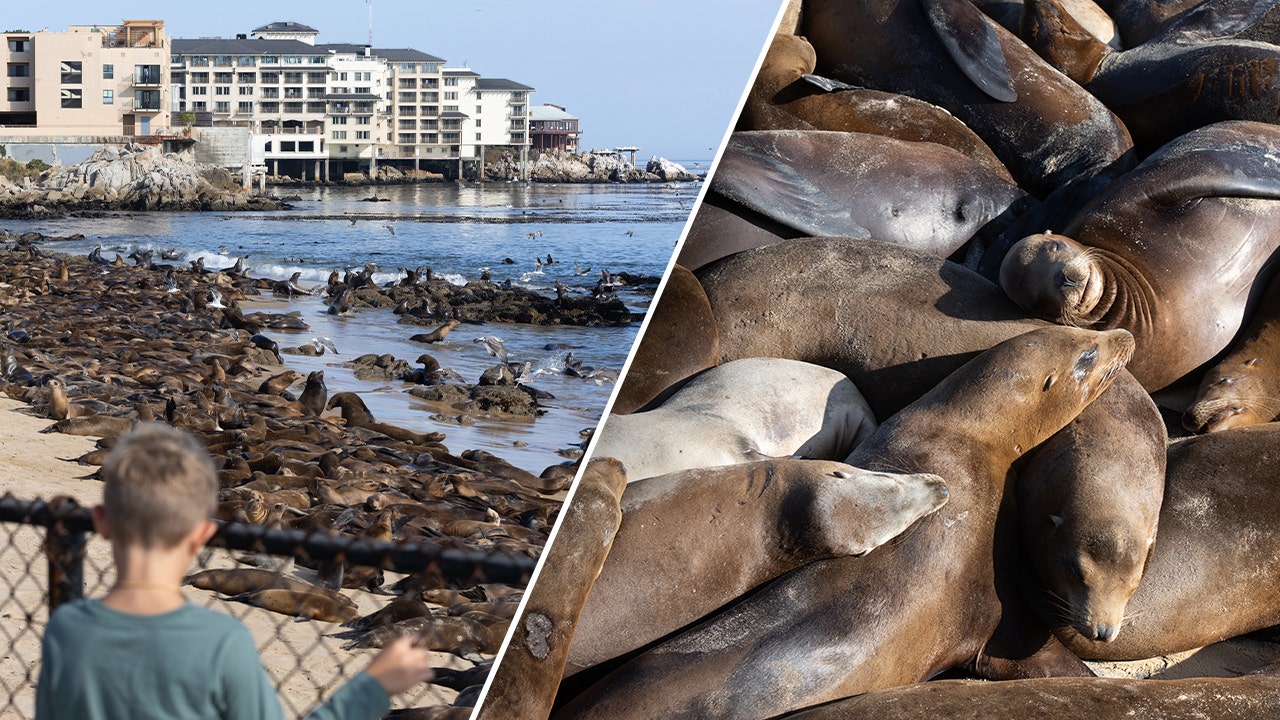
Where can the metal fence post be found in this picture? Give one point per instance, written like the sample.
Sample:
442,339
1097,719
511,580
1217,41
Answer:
65,551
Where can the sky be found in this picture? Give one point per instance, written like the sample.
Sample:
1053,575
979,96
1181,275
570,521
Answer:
663,75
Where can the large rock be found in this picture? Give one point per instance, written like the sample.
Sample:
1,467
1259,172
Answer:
597,166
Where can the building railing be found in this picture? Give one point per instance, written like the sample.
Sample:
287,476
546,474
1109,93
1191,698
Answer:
52,557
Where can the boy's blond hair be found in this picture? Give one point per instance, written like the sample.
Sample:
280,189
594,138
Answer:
159,484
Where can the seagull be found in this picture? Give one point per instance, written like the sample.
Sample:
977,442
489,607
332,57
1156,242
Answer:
353,222
580,271
390,228
629,233
494,346
215,299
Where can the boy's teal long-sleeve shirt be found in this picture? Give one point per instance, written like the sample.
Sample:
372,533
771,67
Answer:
192,663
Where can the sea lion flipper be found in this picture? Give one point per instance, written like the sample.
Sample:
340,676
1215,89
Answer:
972,43
827,84
1219,21
776,190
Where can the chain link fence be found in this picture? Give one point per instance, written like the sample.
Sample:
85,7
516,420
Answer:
311,638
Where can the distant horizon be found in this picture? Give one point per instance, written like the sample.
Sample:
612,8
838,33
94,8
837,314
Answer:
662,75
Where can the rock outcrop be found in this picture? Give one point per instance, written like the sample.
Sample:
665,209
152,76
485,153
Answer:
595,166
133,177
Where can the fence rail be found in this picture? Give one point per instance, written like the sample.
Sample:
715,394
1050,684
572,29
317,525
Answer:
305,658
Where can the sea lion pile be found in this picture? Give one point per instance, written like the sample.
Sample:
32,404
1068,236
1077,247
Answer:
1027,325
97,346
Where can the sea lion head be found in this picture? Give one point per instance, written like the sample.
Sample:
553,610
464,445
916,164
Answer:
1053,277
1090,576
859,510
1230,397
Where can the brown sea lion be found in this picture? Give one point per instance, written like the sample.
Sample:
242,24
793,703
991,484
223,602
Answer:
440,333
1088,507
744,410
277,384
313,603
1244,387
1189,76
92,426
692,541
678,340
917,194
1210,572
961,61
808,637
314,394
1170,252
458,635
524,684
1239,698
787,96
356,414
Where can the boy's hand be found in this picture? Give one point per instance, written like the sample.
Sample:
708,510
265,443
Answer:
401,665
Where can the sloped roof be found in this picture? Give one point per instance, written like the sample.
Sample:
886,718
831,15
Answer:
286,26
224,46
547,112
499,84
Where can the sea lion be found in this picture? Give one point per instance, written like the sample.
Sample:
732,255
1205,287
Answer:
692,541
1140,20
92,426
1209,574
1171,251
934,595
1190,75
1244,387
524,684
1238,698
278,383
59,407
1088,506
677,340
312,603
238,581
962,61
787,96
314,394
748,409
458,635
917,194
437,335
356,415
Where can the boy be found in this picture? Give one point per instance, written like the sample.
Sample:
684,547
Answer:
143,651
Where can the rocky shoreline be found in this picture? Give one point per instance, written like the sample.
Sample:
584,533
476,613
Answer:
133,177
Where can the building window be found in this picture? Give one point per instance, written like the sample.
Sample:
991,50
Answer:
270,92
245,60
108,72
222,90
430,124
223,77
338,120
477,137
19,94
222,107
246,89
477,122
270,107
222,60
362,134
363,120
430,138
315,107
478,96
199,78
199,91
292,59
244,108
315,93
293,108
406,97
146,74
408,124
407,110
270,78
316,59
452,137
430,68
406,138
363,90
478,109
70,76
177,59
19,45
451,82
431,110
199,61
19,70
408,83
71,98
316,78
453,95
451,108
246,77
293,93
270,59
108,97
339,134
342,148
408,67
342,76
147,99
199,106
452,125
430,97
293,78
306,146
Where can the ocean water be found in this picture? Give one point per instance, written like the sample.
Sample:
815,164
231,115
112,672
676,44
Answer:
456,229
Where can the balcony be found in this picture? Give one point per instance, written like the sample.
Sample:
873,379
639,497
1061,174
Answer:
146,76
146,101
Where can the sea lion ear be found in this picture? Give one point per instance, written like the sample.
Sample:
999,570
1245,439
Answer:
1049,381
1056,521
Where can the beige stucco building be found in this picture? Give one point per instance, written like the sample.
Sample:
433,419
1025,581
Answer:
89,80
